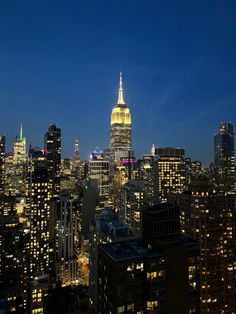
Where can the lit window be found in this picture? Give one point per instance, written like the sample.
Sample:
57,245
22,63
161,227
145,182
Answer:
121,309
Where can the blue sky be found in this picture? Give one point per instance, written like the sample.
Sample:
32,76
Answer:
60,63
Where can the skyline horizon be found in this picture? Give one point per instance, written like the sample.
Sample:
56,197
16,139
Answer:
88,154
177,59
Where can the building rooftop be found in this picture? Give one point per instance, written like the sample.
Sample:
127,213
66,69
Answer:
125,250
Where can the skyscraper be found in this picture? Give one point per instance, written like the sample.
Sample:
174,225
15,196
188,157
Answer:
98,170
39,200
104,228
19,153
52,144
158,274
2,164
171,172
120,136
209,218
66,230
224,157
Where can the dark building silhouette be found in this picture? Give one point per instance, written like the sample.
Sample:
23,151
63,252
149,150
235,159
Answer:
158,274
224,163
2,165
52,146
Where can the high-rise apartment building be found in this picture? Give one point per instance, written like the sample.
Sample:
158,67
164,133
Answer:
2,164
130,202
39,202
104,228
52,145
156,275
171,172
66,235
146,171
76,161
224,162
120,136
209,218
98,170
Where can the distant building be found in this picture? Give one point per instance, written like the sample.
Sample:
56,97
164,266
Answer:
19,152
224,163
120,135
66,234
156,275
146,171
98,169
2,164
52,146
171,172
130,202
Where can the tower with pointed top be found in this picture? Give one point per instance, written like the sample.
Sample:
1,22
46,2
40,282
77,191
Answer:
121,135
19,153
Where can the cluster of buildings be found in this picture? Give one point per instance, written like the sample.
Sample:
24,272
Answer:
116,233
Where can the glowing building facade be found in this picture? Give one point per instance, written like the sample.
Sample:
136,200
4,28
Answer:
120,136
209,218
39,199
19,153
171,172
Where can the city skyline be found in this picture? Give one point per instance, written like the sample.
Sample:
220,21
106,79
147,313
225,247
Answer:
179,72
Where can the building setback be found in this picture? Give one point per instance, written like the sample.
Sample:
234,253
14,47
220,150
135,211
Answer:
121,134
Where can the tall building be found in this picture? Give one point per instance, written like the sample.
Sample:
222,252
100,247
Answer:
11,258
98,170
156,275
52,145
2,164
209,218
76,161
130,202
224,162
66,234
146,170
171,172
39,201
19,153
76,152
104,228
120,136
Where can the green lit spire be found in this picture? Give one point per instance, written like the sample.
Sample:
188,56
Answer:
21,133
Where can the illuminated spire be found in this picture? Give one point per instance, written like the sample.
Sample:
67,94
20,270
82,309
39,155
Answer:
120,95
153,150
21,132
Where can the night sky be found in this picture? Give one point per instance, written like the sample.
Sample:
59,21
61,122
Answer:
60,63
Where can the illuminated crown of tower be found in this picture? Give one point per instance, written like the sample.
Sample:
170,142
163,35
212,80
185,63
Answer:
120,94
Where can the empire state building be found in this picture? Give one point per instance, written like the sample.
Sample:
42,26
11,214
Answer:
120,136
